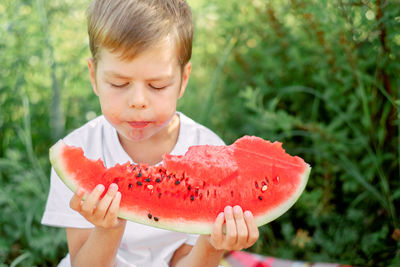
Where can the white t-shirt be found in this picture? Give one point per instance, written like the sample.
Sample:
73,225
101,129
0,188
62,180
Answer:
141,245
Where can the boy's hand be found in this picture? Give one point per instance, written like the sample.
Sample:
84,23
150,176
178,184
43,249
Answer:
100,212
241,230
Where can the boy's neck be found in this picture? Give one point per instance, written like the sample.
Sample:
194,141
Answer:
151,150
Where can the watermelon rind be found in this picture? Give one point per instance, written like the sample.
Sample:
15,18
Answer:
55,153
174,224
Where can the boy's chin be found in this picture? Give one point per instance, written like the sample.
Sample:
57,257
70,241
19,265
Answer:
136,136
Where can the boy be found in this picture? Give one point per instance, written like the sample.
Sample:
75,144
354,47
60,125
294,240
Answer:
140,68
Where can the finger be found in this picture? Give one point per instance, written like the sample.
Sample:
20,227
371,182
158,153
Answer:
90,202
216,233
104,203
231,233
112,213
241,227
251,228
75,202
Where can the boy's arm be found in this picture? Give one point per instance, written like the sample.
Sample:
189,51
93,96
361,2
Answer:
202,254
93,247
97,246
241,232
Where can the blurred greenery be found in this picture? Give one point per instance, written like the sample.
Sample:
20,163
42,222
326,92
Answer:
320,76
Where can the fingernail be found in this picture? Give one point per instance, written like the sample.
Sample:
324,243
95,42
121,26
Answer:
221,214
228,209
237,209
113,188
100,187
79,191
248,214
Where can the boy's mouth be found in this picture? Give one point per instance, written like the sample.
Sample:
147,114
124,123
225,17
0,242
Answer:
139,124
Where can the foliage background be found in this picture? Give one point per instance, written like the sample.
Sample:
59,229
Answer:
320,76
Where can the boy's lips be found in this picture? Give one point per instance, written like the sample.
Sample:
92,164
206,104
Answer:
139,124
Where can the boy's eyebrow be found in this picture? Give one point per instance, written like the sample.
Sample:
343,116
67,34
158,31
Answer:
121,76
116,75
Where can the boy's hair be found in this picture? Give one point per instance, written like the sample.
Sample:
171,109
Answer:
129,27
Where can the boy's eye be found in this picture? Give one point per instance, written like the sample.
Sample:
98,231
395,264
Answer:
157,87
119,85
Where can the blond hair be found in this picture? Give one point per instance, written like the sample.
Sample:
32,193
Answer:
129,27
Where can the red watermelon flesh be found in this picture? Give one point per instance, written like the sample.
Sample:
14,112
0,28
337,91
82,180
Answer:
186,193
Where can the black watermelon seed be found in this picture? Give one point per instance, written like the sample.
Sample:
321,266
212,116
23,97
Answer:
139,175
139,183
147,180
156,219
189,187
192,198
158,180
260,197
149,215
256,184
177,182
130,185
159,194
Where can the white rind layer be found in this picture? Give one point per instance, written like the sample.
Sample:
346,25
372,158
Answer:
176,224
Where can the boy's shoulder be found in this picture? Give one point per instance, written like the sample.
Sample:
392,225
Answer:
87,130
91,135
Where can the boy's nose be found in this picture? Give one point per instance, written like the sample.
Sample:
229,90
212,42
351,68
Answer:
138,99
139,106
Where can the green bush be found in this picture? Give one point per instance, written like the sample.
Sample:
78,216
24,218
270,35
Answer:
319,76
322,77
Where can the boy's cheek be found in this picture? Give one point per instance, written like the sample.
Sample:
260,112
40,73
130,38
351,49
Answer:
110,113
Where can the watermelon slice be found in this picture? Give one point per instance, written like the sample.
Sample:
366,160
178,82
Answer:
186,193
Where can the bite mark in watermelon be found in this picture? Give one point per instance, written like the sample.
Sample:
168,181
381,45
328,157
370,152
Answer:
186,193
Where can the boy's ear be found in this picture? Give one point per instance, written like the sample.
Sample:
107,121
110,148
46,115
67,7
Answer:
185,78
92,72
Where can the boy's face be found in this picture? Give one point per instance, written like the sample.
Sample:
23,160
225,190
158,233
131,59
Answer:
139,97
